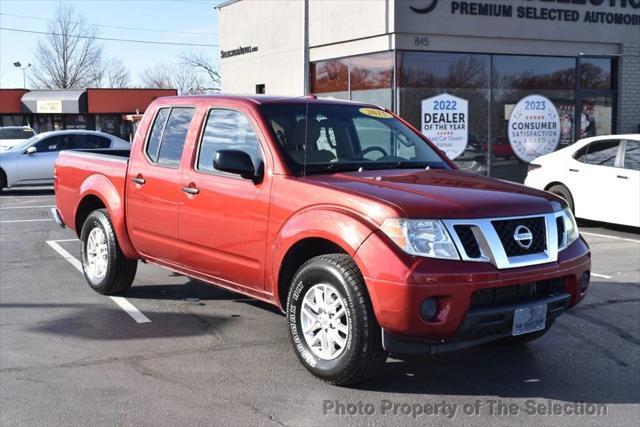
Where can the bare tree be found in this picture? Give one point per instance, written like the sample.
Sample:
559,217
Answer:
66,58
203,63
174,76
116,74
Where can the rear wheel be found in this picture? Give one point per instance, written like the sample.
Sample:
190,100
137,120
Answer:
106,269
3,180
562,191
331,321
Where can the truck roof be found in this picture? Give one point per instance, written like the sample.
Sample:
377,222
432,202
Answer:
261,99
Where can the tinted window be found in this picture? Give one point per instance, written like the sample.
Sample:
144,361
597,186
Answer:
88,142
227,130
632,155
175,132
156,134
53,143
602,153
595,73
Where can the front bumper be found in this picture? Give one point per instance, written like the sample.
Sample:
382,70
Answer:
398,284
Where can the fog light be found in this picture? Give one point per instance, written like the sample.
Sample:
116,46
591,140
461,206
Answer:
429,309
584,281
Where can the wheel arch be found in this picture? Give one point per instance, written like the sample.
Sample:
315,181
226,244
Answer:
98,192
313,232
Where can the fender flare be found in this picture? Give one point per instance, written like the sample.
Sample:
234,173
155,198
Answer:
342,227
99,186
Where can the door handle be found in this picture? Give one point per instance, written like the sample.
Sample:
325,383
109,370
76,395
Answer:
574,170
623,177
138,180
190,190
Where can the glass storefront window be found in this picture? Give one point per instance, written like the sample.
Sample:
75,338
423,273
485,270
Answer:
597,116
422,75
595,73
579,93
366,78
514,78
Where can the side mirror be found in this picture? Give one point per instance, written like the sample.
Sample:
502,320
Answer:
237,162
31,150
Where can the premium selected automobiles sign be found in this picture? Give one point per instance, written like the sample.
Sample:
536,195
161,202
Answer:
534,127
445,121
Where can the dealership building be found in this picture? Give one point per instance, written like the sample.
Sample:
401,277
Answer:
114,111
493,83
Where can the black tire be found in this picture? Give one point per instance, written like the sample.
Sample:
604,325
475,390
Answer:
3,180
120,271
362,355
562,191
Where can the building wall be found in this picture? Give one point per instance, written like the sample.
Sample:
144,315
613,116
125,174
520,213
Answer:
123,100
629,89
275,28
10,100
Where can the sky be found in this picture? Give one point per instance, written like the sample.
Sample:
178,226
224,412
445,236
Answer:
183,16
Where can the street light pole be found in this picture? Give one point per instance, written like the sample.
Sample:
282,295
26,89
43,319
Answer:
17,64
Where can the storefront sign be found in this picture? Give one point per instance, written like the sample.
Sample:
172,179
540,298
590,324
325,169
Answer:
445,121
534,128
242,50
625,14
49,106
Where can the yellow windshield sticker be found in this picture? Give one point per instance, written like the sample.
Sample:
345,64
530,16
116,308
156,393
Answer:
374,112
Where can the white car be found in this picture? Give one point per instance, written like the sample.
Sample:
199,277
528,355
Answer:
599,177
11,136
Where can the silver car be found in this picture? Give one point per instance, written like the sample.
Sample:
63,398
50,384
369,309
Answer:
32,162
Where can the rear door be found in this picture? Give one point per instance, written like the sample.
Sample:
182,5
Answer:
629,179
153,186
223,220
596,186
37,168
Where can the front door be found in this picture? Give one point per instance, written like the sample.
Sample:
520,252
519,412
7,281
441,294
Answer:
153,186
223,220
37,167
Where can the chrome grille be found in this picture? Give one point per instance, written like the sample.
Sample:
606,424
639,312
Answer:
492,240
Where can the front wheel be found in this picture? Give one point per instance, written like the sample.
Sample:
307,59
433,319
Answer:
106,269
331,321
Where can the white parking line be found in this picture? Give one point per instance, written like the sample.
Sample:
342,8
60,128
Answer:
122,302
606,236
25,220
602,276
27,207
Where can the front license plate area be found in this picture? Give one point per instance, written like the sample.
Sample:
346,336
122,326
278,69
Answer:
529,319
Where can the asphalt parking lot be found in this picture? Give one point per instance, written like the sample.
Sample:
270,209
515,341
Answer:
177,351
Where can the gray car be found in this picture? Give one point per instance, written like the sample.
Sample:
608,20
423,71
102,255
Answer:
32,162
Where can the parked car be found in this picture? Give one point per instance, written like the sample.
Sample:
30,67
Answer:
14,135
31,163
599,178
277,198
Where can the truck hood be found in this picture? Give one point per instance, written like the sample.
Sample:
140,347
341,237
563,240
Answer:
441,194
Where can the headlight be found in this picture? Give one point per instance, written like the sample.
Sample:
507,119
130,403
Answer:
428,238
570,228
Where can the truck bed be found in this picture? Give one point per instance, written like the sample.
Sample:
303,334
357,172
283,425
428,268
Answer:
78,172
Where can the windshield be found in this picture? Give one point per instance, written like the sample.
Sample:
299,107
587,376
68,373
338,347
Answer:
345,138
16,133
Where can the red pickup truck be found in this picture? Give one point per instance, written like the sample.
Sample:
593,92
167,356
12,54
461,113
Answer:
341,214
